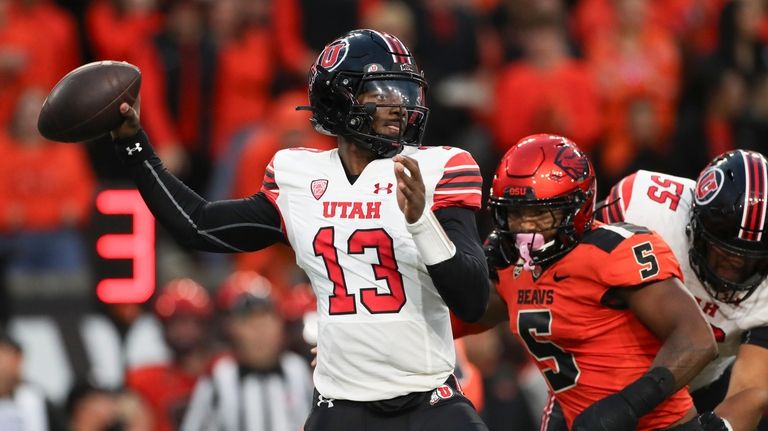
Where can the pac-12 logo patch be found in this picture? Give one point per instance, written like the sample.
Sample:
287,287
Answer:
318,188
333,54
708,186
443,392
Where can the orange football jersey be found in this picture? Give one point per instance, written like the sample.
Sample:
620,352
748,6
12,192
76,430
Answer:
585,342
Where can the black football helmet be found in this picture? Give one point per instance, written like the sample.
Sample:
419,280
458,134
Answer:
546,171
378,65
727,230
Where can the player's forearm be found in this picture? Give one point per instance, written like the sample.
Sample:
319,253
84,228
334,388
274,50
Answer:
744,409
462,280
686,351
226,226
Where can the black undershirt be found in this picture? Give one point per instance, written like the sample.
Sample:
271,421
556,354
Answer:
253,223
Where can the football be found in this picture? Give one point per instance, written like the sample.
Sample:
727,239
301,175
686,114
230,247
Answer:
85,103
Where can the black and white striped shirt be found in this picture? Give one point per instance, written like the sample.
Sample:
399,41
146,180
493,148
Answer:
234,399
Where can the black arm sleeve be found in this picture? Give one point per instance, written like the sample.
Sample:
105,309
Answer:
236,225
756,336
462,280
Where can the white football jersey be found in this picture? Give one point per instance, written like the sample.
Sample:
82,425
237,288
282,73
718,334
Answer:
384,331
663,203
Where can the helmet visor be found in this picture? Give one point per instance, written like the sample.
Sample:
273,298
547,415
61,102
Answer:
396,107
735,268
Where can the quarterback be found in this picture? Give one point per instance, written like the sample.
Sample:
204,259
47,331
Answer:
716,228
385,230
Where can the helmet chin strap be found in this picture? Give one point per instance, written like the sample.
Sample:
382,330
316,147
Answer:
527,243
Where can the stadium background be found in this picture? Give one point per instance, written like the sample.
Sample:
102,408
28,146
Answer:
652,84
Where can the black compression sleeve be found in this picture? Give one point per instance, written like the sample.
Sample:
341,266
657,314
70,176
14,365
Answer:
235,225
462,280
756,336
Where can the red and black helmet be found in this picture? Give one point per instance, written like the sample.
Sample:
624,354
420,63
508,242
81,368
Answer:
729,213
244,290
361,61
183,296
545,171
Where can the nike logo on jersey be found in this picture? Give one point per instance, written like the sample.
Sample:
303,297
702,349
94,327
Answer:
558,278
359,210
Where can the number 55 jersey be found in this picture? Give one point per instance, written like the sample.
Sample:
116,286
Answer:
575,326
663,203
384,331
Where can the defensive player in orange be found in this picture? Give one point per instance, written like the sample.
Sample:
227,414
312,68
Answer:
600,308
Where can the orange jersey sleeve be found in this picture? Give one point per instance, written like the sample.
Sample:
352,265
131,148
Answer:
636,254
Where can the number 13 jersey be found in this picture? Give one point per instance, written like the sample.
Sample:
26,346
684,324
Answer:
384,331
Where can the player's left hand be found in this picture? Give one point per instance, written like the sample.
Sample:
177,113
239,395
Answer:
612,413
410,188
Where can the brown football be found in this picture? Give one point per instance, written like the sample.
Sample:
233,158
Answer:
85,103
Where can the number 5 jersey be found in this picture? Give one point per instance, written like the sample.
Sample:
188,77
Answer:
578,331
384,330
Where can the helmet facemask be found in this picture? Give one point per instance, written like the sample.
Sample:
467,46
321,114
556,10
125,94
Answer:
555,235
381,111
737,272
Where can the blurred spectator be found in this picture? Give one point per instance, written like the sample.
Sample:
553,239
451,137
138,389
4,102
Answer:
644,140
739,46
547,91
303,26
28,57
285,128
123,30
633,59
501,362
57,28
184,308
122,338
45,195
260,386
91,408
22,407
245,71
116,27
186,63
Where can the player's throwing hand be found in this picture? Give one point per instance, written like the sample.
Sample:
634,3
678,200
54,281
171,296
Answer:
131,125
410,188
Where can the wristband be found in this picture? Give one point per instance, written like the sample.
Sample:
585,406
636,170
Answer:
134,149
432,242
650,390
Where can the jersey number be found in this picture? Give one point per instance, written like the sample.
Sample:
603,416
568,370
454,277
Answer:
645,257
538,323
661,196
343,302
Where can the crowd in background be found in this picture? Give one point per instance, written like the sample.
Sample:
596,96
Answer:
653,84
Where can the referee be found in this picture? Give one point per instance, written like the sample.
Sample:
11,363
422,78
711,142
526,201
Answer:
260,386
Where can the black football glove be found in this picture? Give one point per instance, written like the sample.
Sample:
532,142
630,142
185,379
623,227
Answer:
497,255
707,421
612,413
622,410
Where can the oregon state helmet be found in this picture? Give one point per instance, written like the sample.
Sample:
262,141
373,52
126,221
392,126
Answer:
546,171
727,230
368,62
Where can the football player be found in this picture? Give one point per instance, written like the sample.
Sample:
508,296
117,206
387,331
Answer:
600,308
715,227
385,230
